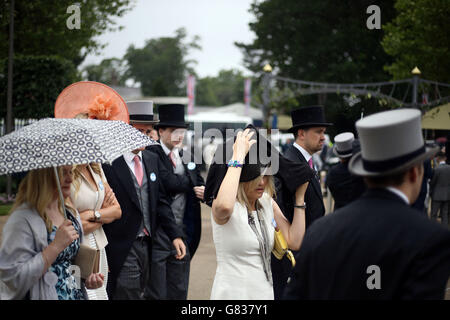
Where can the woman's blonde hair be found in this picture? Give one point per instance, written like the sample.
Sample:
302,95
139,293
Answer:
244,187
96,167
38,189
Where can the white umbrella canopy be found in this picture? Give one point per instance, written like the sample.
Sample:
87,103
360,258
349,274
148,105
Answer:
57,142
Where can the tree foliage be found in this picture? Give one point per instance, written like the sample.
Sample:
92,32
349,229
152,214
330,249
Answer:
226,88
419,36
38,80
323,40
40,27
109,71
161,66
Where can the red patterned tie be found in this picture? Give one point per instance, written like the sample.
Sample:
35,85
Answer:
138,172
172,157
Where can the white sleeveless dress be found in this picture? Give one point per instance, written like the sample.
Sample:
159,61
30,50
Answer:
89,199
240,274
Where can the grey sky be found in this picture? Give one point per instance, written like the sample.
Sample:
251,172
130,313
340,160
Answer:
218,22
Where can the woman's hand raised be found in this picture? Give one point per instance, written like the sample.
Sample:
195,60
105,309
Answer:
242,144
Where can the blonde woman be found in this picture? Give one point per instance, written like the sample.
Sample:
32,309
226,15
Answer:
242,216
39,244
97,205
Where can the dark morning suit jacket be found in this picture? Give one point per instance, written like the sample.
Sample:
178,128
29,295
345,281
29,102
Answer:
314,210
440,183
122,232
378,229
175,184
344,186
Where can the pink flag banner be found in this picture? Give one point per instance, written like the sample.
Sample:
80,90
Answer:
191,93
247,94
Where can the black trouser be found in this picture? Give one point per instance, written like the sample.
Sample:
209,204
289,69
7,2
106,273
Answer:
169,276
133,280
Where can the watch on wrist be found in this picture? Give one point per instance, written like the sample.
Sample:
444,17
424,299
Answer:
97,216
303,206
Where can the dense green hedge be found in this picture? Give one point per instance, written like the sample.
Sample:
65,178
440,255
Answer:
37,82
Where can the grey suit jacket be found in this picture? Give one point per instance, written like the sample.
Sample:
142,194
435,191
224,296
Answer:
440,183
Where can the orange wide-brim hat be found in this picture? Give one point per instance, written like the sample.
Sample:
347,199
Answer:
94,99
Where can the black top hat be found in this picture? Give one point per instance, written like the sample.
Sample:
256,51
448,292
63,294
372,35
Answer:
312,116
171,115
291,174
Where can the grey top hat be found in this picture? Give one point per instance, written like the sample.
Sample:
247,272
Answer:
343,145
391,142
141,112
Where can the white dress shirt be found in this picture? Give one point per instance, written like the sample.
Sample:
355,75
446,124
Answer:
129,159
175,152
305,154
399,193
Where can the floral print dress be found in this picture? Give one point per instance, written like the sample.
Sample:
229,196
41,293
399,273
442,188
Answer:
67,287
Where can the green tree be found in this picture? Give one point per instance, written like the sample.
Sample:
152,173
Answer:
40,27
161,66
419,36
38,80
109,71
322,40
226,88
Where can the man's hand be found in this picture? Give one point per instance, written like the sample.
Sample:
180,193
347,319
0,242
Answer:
180,247
199,192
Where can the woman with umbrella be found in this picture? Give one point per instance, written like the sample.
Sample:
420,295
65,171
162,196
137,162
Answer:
39,244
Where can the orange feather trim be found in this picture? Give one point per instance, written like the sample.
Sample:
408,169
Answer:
102,109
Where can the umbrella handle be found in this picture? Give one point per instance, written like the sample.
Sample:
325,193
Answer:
60,192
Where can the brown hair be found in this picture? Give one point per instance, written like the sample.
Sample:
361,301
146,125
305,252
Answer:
394,180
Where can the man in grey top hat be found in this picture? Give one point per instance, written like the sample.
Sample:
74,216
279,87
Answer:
136,179
344,186
378,247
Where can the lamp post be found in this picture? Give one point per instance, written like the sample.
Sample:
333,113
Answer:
266,98
416,73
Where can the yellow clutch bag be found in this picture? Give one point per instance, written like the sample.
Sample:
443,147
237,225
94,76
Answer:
280,248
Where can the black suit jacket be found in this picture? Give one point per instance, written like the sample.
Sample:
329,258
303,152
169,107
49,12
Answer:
412,253
175,184
315,209
344,186
122,232
313,196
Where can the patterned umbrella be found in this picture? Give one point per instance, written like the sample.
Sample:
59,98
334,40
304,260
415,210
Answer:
57,142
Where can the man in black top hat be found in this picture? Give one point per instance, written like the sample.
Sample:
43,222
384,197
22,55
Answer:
344,186
308,126
170,277
378,247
